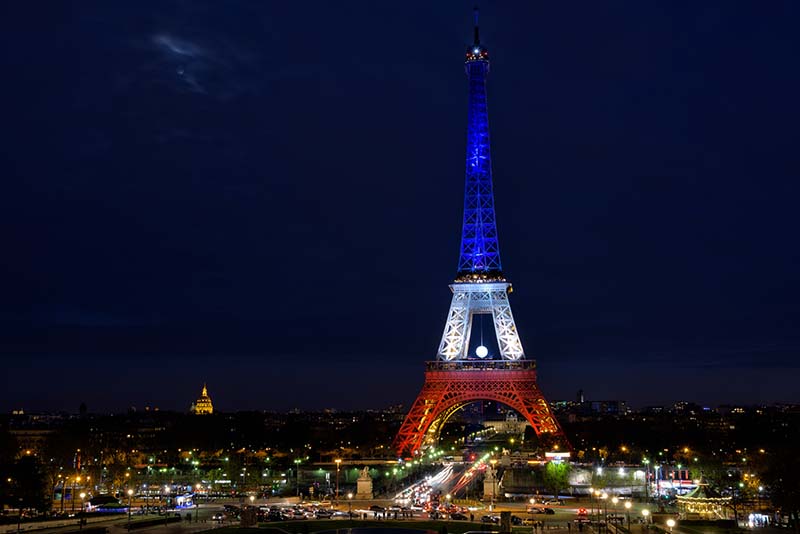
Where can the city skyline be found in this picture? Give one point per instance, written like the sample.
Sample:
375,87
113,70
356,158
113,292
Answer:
268,200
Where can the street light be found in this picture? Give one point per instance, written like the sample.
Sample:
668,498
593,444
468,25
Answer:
80,522
338,465
197,502
350,505
72,493
604,497
130,499
645,513
297,474
670,523
628,505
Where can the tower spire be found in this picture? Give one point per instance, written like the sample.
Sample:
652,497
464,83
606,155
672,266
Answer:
480,252
477,35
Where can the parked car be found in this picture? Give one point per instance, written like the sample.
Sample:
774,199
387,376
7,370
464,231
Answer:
458,516
515,520
218,517
490,519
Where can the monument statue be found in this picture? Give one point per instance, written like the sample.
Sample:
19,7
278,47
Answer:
364,485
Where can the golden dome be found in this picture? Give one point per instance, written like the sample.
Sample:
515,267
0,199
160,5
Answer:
203,404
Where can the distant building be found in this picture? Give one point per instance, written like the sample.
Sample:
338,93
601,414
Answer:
203,405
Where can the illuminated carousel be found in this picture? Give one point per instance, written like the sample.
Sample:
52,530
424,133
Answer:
704,503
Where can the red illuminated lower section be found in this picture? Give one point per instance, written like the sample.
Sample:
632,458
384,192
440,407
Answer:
449,386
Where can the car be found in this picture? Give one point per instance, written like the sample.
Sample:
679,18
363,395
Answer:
376,508
515,520
490,519
219,517
549,511
458,516
536,510
323,513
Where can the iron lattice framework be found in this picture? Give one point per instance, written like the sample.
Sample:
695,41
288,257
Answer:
480,251
469,300
456,379
450,386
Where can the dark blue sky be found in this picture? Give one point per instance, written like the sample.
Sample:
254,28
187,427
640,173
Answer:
267,196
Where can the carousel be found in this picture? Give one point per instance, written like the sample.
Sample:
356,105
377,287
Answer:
704,503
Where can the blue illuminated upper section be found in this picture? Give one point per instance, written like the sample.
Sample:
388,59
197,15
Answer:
480,251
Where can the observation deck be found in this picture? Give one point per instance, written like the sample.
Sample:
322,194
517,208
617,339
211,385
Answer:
481,365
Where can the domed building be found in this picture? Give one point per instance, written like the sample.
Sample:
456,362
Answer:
203,404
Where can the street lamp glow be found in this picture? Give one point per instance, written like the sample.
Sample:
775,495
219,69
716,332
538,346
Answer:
481,351
628,505
645,513
130,492
670,523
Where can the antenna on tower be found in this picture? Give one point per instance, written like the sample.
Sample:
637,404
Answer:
475,15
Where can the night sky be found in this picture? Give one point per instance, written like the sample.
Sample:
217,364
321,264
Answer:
267,196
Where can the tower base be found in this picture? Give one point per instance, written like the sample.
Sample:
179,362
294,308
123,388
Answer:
449,386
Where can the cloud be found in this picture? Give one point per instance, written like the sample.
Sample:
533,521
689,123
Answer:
177,47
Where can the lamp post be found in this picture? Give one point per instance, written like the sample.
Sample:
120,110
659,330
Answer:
615,500
80,520
604,498
197,502
646,463
350,505
297,475
493,461
130,501
338,465
645,513
670,523
596,506
628,505
75,480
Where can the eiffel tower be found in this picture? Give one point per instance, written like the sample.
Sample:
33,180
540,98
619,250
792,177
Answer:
457,378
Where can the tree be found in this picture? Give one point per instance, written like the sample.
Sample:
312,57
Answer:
556,477
28,484
783,481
